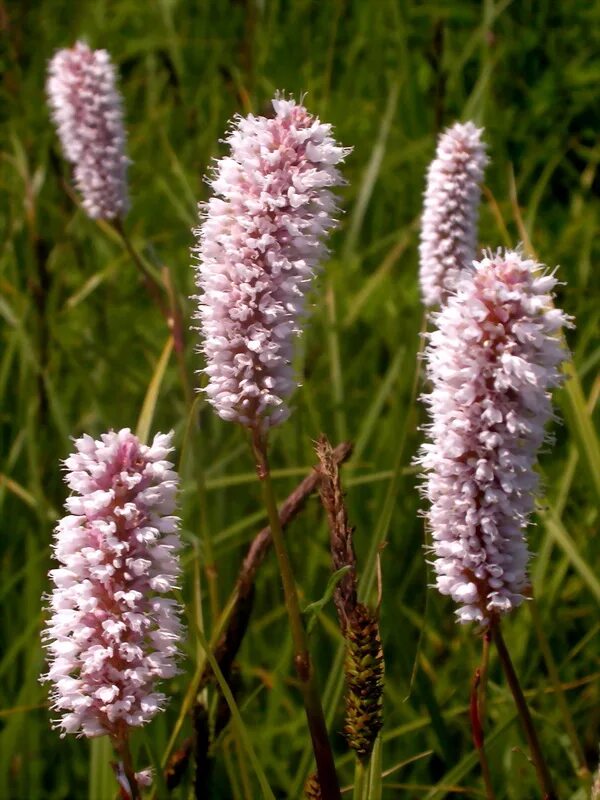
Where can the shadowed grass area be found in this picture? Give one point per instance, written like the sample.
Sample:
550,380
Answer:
81,348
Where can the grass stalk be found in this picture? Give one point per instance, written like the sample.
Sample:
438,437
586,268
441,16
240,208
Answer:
241,731
254,558
337,378
163,295
583,771
328,779
101,781
360,778
152,284
374,785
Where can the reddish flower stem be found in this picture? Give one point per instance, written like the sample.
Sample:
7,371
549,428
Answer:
541,768
328,780
477,714
121,745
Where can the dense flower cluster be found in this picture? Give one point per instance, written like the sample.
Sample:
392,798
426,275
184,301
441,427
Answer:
451,209
492,360
112,633
87,110
259,243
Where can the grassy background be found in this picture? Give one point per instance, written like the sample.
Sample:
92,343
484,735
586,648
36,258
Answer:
80,343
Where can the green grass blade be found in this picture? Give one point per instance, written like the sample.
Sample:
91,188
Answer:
372,171
147,413
358,302
102,782
468,763
375,771
560,534
236,718
580,421
373,415
360,779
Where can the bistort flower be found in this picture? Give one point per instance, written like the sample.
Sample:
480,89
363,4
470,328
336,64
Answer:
87,110
113,631
259,244
492,360
451,210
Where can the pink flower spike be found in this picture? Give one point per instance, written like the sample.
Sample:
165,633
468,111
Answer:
259,245
112,632
451,209
87,110
492,360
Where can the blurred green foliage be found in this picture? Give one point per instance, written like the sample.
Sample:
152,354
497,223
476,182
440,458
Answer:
80,342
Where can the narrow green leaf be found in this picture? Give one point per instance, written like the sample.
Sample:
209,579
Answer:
372,171
18,490
375,771
580,420
357,303
560,534
90,285
466,764
17,645
374,413
102,783
312,610
360,778
147,413
236,717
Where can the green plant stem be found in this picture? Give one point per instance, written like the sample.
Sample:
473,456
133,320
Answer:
247,573
541,768
101,778
177,327
163,295
360,775
153,286
328,779
374,784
